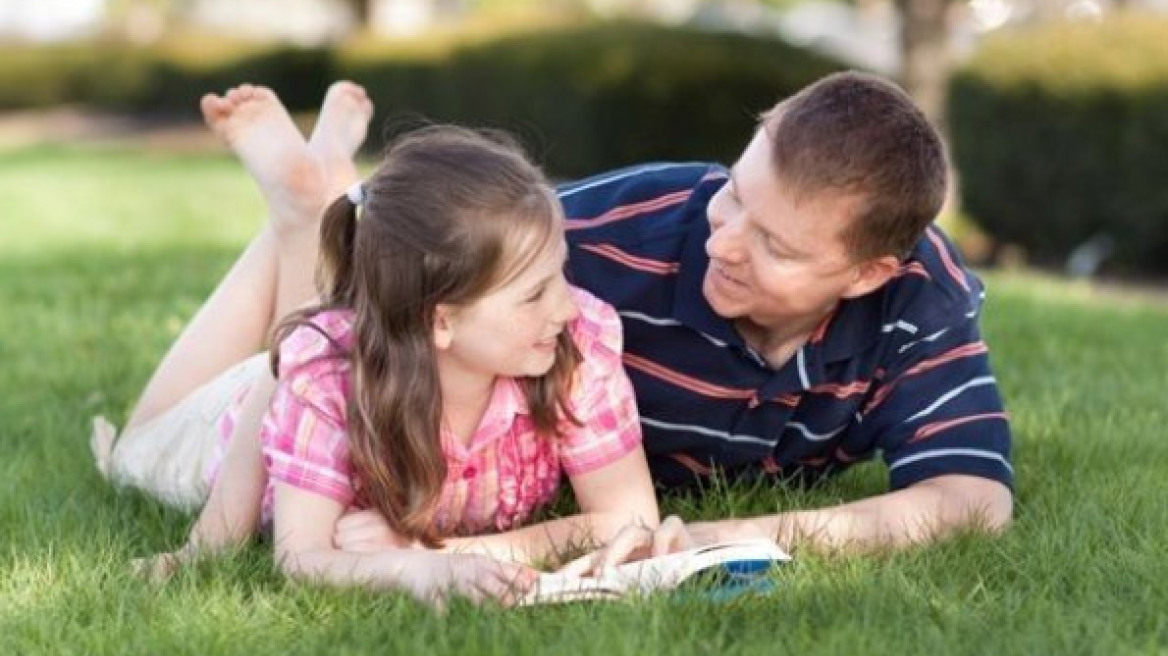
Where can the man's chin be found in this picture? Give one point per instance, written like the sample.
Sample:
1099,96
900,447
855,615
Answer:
721,306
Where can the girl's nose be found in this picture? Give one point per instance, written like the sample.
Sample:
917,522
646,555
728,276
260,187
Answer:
566,309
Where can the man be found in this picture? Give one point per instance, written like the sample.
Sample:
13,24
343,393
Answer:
799,313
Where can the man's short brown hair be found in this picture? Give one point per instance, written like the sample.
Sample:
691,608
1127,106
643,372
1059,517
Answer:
855,133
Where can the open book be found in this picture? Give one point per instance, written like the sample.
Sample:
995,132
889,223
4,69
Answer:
727,563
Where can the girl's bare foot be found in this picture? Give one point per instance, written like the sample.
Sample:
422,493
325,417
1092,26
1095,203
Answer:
101,443
256,126
339,132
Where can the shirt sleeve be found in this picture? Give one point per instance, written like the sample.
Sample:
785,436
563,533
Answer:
938,411
602,399
303,435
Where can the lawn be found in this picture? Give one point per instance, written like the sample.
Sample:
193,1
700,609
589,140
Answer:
104,253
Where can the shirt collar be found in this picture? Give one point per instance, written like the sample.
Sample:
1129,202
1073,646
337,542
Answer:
507,402
855,325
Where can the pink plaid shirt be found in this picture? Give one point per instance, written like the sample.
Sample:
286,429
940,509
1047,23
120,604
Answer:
504,473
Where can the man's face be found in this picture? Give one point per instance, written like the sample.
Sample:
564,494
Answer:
775,264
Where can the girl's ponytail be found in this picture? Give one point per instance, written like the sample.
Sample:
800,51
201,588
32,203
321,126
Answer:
334,270
338,232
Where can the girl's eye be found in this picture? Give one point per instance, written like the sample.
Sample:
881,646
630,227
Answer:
537,295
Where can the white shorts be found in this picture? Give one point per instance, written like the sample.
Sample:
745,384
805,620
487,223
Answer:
171,456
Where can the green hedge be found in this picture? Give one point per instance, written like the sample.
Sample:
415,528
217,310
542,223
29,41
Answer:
583,98
1059,134
589,98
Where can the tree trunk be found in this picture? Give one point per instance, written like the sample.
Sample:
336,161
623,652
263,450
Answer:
362,11
925,63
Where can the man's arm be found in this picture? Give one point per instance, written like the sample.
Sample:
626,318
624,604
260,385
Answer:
921,513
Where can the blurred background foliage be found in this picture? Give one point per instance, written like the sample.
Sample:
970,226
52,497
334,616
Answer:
1055,110
1059,133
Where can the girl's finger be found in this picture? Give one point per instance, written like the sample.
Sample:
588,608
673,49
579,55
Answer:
670,536
628,540
583,565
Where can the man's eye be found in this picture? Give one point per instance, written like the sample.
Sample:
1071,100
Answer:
769,244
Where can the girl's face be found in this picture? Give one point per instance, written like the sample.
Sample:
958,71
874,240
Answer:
512,330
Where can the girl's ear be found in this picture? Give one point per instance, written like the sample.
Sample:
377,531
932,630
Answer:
443,326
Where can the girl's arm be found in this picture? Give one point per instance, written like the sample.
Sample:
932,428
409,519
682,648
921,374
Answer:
304,526
232,511
610,498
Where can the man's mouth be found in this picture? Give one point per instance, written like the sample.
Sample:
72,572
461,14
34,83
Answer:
721,271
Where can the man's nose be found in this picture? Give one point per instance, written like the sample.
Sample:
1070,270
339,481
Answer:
726,238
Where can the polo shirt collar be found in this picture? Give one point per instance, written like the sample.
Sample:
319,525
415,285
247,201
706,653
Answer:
507,402
855,325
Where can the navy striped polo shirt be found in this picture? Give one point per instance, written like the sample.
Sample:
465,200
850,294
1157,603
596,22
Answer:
901,372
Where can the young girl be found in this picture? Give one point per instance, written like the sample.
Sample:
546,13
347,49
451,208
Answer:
435,393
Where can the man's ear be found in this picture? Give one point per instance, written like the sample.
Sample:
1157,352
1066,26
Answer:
871,275
443,326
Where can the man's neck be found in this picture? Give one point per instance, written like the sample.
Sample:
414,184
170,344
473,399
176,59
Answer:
778,343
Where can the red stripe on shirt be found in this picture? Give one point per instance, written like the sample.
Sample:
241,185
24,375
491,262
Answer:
632,261
842,391
950,266
929,430
842,456
821,330
914,269
691,464
628,211
790,400
684,381
965,351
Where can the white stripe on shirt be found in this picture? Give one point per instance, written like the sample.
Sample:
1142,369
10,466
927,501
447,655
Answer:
815,437
709,432
950,395
944,453
648,168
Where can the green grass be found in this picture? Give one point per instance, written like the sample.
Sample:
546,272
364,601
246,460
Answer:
103,254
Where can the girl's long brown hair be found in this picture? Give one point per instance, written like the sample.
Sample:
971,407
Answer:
442,218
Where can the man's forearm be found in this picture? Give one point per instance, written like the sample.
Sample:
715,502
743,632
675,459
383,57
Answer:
919,514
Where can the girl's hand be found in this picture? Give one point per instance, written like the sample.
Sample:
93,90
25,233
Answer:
365,531
477,578
160,567
636,542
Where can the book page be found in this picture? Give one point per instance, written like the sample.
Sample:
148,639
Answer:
658,573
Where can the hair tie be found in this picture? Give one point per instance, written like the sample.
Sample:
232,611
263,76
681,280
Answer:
356,194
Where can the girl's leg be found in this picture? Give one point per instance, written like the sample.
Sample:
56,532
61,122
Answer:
274,275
